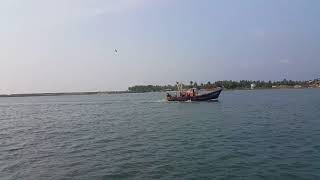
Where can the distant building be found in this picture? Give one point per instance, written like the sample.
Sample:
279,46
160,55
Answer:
297,86
252,86
274,86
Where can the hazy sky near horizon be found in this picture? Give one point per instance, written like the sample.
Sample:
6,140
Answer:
68,45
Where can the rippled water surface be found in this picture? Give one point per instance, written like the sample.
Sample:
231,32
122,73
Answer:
262,134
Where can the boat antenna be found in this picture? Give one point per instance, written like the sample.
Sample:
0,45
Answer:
179,86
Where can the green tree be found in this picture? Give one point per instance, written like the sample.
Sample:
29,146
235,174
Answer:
191,83
195,85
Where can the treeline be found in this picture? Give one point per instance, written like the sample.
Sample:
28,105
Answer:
151,88
246,84
227,84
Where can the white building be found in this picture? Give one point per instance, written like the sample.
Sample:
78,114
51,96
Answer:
252,86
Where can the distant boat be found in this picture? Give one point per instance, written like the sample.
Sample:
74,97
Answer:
193,95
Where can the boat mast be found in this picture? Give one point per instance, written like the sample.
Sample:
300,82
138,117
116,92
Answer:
179,86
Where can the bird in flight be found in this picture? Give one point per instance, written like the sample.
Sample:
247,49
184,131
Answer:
115,50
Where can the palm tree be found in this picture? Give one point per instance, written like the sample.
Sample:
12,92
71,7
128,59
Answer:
195,84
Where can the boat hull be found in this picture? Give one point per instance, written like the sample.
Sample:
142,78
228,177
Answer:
203,97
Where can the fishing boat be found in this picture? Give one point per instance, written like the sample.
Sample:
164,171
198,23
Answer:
193,94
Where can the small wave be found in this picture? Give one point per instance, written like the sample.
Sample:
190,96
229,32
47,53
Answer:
154,101
161,101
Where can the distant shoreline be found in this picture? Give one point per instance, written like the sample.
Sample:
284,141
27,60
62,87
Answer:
63,93
228,85
120,92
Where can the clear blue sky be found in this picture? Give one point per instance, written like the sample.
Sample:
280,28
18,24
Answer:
68,45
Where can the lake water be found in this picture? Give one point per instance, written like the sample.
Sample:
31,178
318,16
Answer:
261,134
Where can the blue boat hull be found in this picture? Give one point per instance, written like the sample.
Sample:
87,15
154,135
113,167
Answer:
203,97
